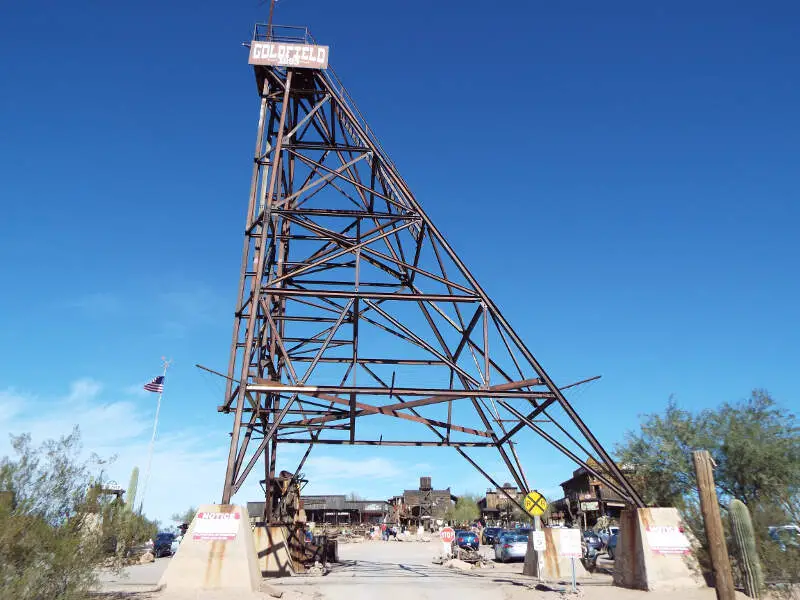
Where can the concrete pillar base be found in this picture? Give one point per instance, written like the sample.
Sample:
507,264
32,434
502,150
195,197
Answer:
554,567
649,553
213,557
272,549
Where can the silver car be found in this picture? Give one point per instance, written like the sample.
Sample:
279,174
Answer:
511,545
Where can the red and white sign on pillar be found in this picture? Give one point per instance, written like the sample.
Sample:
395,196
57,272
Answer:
668,540
216,526
448,535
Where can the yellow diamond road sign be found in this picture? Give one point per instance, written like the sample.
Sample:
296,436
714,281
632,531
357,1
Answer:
535,504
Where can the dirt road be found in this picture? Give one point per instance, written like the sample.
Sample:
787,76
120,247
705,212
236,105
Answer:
403,570
377,570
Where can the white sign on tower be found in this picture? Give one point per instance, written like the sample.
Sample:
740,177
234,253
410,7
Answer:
281,54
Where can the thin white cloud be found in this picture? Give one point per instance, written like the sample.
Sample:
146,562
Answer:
188,465
136,389
11,404
191,306
84,390
329,469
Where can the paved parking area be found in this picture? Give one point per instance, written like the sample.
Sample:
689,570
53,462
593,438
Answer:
135,579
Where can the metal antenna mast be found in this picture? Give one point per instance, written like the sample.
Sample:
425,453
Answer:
271,13
353,309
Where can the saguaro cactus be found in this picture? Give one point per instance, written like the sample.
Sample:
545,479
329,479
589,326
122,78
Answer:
745,540
132,485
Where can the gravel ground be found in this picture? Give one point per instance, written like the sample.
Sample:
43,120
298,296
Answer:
377,570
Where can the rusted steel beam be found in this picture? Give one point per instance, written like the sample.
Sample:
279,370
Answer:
394,177
368,409
530,416
505,390
368,295
392,409
347,442
541,408
303,269
230,475
419,341
297,411
346,250
414,270
279,417
351,181
243,269
566,451
340,212
376,361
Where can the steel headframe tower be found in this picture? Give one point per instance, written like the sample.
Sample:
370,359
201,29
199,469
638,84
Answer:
354,309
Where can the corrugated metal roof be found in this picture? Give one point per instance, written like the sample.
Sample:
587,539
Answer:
323,501
340,502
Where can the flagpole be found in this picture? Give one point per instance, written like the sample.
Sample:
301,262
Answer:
153,438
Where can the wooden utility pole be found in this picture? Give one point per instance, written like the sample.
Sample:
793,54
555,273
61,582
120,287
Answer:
709,505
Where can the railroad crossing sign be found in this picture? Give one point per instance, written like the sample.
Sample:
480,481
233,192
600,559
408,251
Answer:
535,504
448,535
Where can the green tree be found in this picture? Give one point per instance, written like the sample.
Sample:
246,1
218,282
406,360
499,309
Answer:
51,538
755,444
125,529
185,516
60,526
511,513
465,510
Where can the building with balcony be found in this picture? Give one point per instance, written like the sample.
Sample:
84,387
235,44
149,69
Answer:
586,498
497,509
425,506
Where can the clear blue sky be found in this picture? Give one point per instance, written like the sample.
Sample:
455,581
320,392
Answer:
637,164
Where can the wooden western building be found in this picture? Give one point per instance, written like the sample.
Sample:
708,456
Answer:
586,499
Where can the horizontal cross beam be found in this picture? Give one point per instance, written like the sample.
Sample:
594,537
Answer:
505,390
345,442
369,295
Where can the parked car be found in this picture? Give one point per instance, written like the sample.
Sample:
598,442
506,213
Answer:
491,534
605,534
511,545
592,540
467,539
787,536
162,545
611,547
175,544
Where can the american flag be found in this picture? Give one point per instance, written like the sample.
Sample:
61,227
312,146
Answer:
156,385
